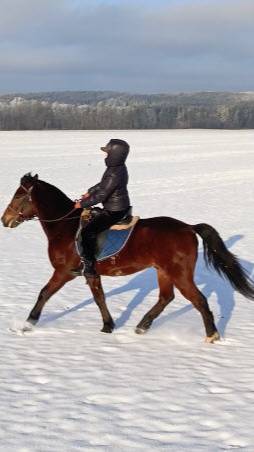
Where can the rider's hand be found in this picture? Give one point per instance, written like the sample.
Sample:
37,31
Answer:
77,205
86,195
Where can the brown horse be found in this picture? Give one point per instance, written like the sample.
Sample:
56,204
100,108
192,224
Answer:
167,244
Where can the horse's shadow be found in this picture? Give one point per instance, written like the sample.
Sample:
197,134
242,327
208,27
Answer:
144,282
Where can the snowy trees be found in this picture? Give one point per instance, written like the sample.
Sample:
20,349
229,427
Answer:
107,110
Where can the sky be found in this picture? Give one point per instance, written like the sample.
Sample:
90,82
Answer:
142,46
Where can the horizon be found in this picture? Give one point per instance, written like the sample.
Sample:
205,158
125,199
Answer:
169,93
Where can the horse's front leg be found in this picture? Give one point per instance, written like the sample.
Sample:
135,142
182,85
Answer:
58,279
99,298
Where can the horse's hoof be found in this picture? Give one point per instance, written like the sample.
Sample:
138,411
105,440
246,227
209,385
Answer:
213,338
31,321
140,330
107,329
28,327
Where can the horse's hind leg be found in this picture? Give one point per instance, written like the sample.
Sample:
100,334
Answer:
190,291
99,298
165,297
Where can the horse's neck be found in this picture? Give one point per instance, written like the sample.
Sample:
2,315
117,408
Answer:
51,204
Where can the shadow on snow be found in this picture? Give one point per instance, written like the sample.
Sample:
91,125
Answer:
209,283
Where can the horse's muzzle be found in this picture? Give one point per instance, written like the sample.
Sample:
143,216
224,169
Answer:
4,223
9,222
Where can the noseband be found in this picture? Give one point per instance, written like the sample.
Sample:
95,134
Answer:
25,198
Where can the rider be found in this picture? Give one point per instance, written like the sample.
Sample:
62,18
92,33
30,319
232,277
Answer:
112,192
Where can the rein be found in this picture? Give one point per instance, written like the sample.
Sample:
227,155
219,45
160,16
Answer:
57,219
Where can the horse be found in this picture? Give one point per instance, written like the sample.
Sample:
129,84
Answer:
167,244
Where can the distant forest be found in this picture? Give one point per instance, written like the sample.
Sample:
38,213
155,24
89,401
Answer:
113,110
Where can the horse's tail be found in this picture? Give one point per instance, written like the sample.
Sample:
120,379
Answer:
225,263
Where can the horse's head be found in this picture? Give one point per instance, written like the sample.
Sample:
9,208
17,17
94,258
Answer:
21,207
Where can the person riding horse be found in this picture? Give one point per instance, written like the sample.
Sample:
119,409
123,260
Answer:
112,192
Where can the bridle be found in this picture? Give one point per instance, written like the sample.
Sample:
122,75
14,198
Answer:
27,197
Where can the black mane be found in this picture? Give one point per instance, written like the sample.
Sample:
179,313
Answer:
53,195
50,200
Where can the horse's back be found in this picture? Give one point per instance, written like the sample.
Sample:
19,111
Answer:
166,233
163,223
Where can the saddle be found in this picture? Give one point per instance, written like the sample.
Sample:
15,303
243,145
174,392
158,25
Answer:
111,241
125,223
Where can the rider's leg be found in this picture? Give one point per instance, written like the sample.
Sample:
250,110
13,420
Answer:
89,236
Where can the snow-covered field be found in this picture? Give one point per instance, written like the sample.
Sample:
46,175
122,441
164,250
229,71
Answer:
66,386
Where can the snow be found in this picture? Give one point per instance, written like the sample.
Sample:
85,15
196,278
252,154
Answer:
67,387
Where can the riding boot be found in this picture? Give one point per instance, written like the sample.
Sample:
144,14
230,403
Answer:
85,268
89,268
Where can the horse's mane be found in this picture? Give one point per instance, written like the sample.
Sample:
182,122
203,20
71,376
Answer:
47,194
56,195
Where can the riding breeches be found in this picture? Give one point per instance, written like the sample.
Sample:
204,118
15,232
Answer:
99,223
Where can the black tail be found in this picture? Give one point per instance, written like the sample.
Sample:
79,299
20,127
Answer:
225,263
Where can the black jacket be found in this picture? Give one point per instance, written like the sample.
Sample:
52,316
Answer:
111,191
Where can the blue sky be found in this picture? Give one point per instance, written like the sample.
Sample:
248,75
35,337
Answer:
135,46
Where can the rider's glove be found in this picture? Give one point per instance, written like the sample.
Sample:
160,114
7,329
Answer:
77,204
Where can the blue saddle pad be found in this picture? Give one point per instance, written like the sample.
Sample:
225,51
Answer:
109,242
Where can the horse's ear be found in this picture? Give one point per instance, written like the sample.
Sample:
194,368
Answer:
36,177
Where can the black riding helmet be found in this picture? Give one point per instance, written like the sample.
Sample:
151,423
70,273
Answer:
117,151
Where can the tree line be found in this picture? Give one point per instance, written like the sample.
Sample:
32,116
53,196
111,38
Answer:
127,112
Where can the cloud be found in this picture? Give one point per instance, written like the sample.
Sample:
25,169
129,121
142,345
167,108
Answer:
134,46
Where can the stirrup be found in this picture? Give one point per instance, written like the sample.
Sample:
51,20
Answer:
78,271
